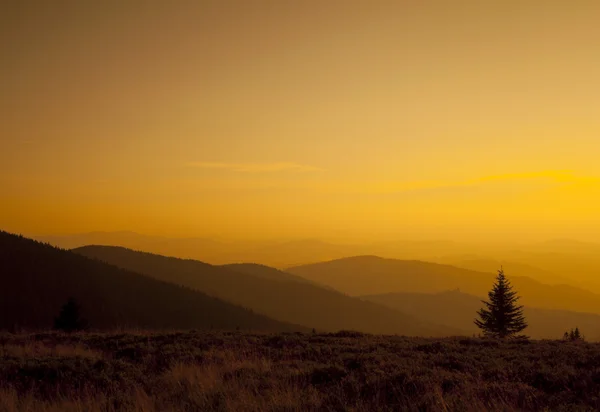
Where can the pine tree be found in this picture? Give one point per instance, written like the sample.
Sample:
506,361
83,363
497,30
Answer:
501,317
574,335
69,319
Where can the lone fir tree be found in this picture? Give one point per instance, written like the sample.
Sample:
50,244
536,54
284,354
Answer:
69,319
501,317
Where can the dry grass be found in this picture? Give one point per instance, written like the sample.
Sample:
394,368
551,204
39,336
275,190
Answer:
252,372
38,349
11,401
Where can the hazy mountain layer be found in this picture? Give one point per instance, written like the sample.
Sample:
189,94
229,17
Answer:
370,275
552,262
458,310
266,272
514,268
293,301
38,279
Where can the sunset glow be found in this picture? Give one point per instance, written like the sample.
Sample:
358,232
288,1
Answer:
314,119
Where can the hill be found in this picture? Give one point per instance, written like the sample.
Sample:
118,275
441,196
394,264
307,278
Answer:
561,261
553,262
458,310
37,279
208,249
265,272
514,268
211,250
580,268
291,301
371,275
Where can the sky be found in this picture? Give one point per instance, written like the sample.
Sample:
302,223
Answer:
338,119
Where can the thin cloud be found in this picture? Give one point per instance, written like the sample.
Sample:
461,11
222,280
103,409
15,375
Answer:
256,167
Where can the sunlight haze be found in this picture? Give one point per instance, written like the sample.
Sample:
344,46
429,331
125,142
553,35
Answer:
461,120
299,205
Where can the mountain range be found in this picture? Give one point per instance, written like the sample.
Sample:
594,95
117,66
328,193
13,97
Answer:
120,287
37,279
457,309
560,261
286,299
372,275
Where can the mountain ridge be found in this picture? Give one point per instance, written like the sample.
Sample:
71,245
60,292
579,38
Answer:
296,302
38,279
367,275
458,309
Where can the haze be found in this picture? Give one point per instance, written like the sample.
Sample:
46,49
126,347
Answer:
345,120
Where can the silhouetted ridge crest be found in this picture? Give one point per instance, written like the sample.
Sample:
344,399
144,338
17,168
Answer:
38,279
367,276
271,292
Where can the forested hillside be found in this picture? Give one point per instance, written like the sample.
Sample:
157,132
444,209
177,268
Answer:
291,301
37,279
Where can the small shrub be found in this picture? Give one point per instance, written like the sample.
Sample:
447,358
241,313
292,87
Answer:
347,334
69,319
574,336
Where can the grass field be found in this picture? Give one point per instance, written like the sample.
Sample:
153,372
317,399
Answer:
196,371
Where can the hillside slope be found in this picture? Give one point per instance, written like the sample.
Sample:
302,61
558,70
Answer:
37,279
371,275
213,251
458,310
295,302
514,268
266,272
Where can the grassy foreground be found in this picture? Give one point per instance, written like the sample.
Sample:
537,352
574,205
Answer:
194,371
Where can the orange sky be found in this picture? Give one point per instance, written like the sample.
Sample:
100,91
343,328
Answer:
312,118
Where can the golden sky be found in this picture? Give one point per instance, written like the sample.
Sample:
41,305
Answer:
250,118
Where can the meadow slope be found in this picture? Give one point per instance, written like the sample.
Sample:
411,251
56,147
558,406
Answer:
191,371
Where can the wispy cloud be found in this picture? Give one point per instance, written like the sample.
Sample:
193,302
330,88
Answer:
256,167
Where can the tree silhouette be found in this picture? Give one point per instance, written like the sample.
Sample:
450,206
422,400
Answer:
574,335
69,319
501,317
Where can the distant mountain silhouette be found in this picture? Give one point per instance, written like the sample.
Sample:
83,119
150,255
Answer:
193,247
580,268
280,254
266,272
576,263
514,268
556,261
254,286
284,254
362,275
214,251
458,309
569,246
37,279
371,275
